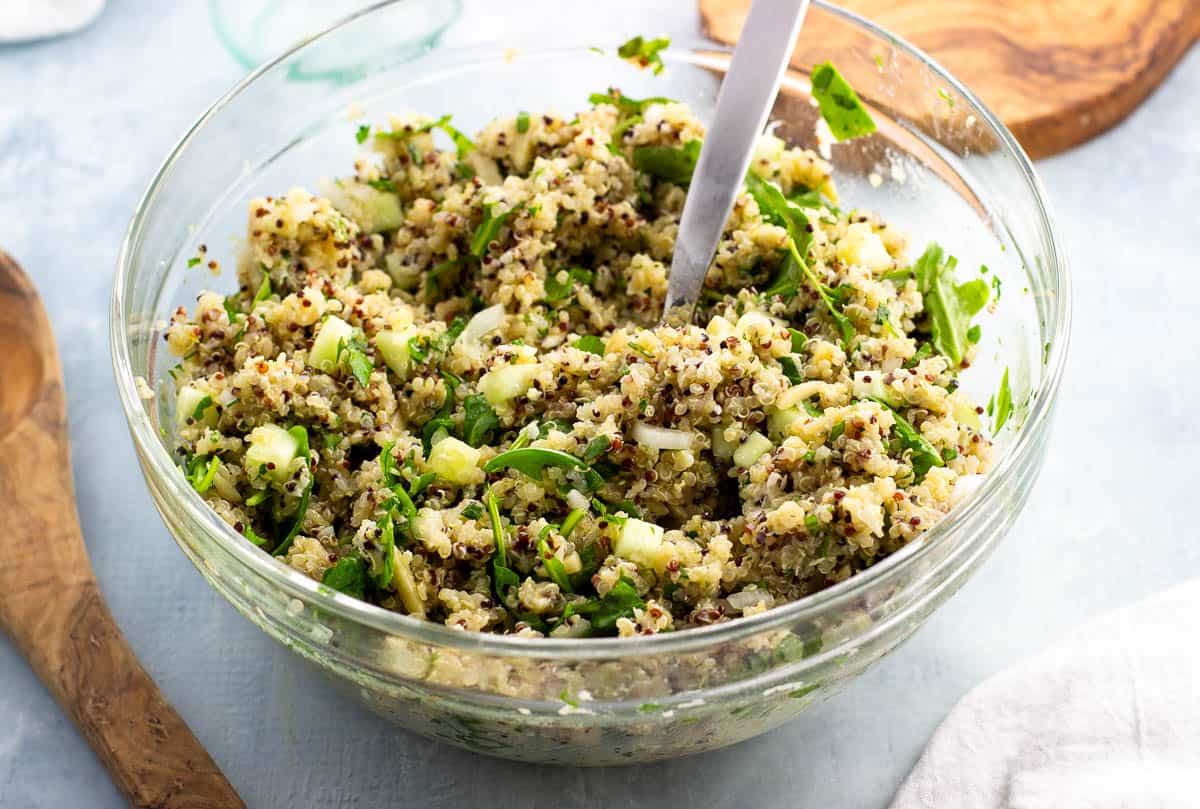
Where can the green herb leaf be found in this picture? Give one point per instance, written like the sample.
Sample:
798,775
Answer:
479,421
554,567
645,52
798,340
627,105
950,306
357,361
591,344
382,184
472,511
840,105
301,436
597,447
924,455
382,557
791,370
558,291
532,461
1004,403
264,291
488,229
573,519
837,431
670,163
405,134
619,602
462,143
924,352
193,261
363,133
348,575
522,122
441,420
204,404
202,471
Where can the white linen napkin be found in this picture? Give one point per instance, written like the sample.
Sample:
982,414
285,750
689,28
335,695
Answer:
22,20
1107,719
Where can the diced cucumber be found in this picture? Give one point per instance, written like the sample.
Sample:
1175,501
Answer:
271,451
639,542
393,346
455,461
324,354
189,398
964,412
779,422
753,448
485,168
869,385
502,385
374,210
722,449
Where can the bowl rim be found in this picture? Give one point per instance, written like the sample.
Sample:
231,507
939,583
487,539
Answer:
157,460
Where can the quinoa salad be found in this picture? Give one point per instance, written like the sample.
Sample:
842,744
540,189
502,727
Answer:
443,385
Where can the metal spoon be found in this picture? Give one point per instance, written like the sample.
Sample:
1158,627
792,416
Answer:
746,97
50,604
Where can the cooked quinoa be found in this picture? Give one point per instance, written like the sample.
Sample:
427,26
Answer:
442,386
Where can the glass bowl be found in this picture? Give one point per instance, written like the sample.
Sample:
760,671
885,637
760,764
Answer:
941,165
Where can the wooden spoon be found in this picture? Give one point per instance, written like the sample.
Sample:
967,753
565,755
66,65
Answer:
50,604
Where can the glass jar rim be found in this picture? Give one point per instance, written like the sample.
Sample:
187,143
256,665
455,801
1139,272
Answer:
159,463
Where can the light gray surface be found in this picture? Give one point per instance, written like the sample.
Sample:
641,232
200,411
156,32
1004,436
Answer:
83,124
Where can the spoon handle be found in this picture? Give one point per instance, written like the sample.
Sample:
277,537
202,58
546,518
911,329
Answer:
745,100
51,607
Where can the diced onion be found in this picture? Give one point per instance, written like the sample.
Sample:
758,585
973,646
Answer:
748,598
661,437
483,322
576,499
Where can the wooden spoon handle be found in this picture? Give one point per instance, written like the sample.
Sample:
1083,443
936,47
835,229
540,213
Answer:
147,748
51,607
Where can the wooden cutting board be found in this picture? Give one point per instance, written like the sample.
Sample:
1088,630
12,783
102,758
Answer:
1057,72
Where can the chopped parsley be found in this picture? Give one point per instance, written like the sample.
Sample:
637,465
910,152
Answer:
480,420
194,260
522,122
558,291
204,404
363,133
791,370
264,290
924,456
357,361
627,105
488,229
382,184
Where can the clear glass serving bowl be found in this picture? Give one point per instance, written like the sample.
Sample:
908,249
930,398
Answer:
941,165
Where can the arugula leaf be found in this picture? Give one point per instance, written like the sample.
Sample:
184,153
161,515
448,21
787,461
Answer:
924,455
670,163
558,291
779,210
645,52
264,291
193,261
522,122
554,566
840,105
532,461
1004,404
950,306
837,431
462,143
348,575
488,229
301,436
619,602
232,308
479,421
791,370
254,538
590,343
363,133
924,352
627,105
382,184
